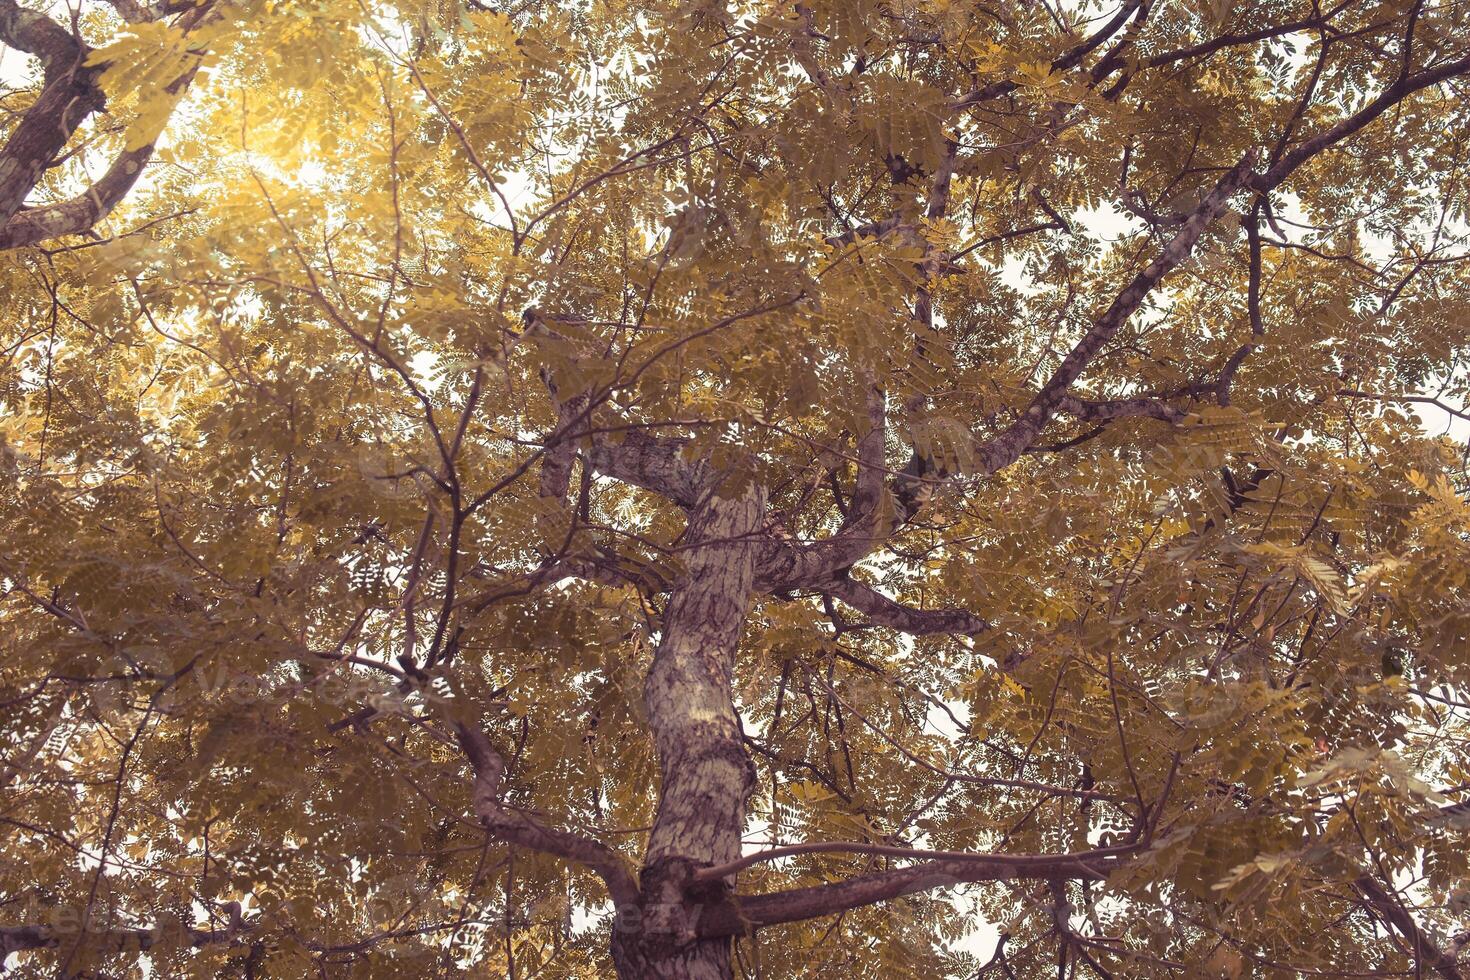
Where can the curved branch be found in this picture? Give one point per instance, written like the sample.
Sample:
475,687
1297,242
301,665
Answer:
36,34
70,95
883,611
1068,59
78,214
746,912
651,462
785,565
1388,908
1443,406
517,828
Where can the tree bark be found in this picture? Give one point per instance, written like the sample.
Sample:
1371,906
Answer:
706,773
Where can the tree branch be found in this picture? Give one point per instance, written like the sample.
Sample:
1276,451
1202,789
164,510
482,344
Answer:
1005,448
1068,59
1017,863
517,828
1388,908
743,913
1448,409
14,939
785,565
69,96
1406,85
652,462
36,34
1118,408
78,214
883,611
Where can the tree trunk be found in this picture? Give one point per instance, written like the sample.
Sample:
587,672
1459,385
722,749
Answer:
706,773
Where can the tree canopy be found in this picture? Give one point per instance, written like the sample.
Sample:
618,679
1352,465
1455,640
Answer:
673,488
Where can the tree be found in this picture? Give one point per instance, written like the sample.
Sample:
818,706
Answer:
684,489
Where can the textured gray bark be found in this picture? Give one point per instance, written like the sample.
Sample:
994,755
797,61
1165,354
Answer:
69,97
706,773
